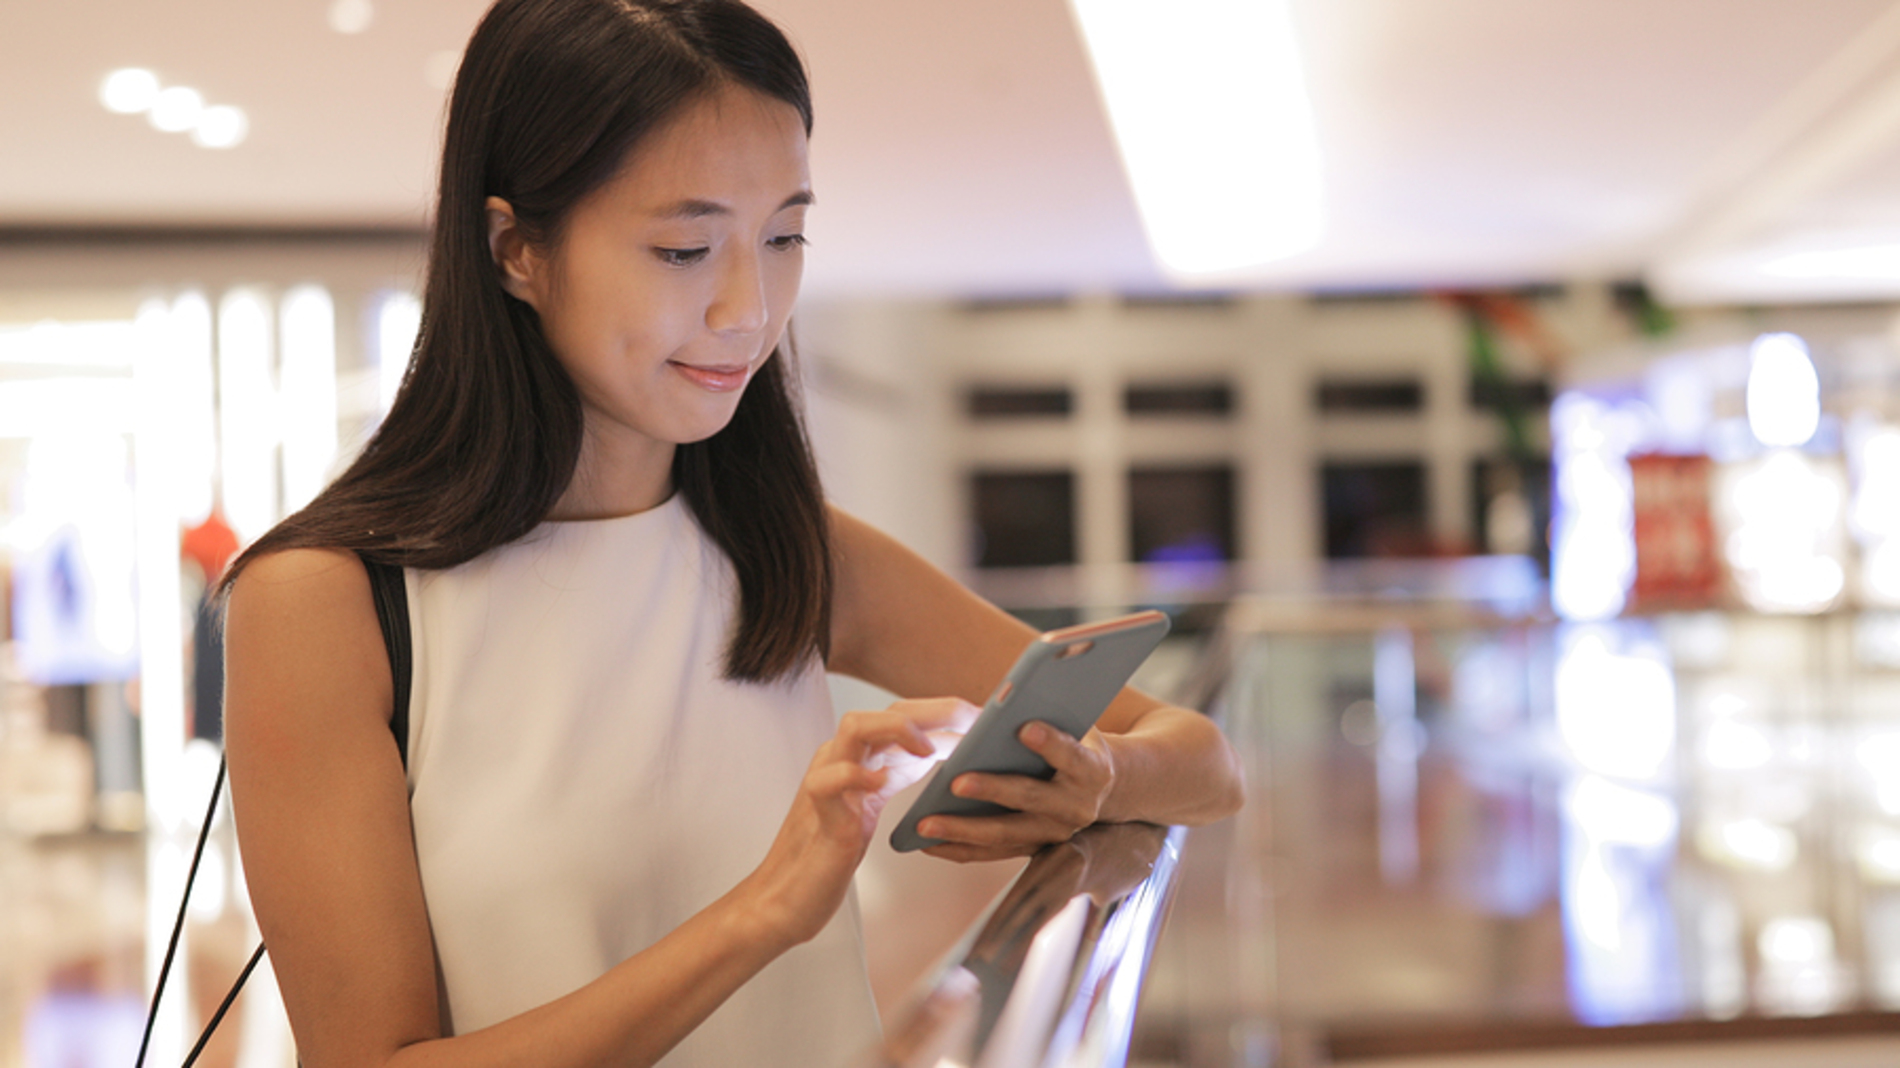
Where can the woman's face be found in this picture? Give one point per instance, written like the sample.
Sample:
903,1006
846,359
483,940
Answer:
672,283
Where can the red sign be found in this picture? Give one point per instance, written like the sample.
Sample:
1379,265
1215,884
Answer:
1677,562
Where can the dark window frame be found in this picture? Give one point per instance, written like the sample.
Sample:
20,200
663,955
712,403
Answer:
1011,517
1210,398
1222,508
991,401
1369,395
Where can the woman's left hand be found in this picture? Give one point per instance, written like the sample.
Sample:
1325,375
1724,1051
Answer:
1046,810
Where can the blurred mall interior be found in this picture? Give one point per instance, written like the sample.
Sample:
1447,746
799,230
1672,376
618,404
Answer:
1526,488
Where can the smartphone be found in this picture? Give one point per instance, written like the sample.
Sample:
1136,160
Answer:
1065,678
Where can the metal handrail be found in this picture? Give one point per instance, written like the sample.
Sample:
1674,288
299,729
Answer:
1052,975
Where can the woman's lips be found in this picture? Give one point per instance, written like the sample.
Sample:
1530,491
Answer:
719,378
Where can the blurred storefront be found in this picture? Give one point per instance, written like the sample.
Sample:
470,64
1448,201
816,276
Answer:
1655,796
147,430
1638,773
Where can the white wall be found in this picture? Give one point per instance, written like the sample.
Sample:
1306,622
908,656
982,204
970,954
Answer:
879,415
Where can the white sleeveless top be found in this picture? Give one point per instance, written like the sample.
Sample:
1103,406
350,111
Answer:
583,779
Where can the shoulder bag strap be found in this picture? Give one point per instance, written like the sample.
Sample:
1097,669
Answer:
391,594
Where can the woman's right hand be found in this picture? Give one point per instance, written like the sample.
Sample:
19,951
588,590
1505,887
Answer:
872,757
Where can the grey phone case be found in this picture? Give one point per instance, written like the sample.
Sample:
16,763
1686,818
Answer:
1065,678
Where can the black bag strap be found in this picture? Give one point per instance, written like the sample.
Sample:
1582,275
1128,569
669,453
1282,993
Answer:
178,927
390,593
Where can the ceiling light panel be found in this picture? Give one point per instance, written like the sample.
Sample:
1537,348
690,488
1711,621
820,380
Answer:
1209,106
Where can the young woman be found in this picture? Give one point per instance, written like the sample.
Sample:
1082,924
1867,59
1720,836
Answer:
619,821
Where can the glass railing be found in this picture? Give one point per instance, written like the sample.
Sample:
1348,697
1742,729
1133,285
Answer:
1472,826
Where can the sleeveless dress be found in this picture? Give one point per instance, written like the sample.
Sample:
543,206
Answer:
583,779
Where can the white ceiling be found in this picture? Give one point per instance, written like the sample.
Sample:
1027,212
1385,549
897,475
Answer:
960,147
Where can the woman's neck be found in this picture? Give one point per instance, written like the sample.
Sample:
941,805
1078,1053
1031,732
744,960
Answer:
616,476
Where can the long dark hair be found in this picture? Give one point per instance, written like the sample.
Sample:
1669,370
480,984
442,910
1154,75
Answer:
484,434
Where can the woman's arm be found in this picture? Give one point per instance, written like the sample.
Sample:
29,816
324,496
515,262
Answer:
902,624
323,822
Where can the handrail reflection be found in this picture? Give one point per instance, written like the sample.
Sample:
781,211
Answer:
1053,974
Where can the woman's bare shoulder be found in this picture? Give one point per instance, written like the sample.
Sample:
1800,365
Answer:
302,572
301,624
309,587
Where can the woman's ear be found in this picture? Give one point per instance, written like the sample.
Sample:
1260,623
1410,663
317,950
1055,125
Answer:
514,257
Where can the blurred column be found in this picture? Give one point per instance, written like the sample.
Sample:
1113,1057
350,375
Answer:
1101,467
1448,426
171,339
247,413
1279,502
308,401
398,322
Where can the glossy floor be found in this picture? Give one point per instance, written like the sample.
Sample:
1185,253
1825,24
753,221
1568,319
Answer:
74,925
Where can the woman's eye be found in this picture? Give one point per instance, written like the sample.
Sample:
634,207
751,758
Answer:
788,242
680,257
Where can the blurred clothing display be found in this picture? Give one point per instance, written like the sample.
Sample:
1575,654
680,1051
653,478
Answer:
209,546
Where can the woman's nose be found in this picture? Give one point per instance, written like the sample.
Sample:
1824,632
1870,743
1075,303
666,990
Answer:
739,305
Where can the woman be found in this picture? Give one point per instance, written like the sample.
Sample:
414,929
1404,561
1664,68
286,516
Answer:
603,836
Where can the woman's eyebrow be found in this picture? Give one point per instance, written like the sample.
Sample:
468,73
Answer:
699,209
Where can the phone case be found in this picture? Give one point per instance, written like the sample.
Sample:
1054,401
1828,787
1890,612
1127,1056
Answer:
1065,678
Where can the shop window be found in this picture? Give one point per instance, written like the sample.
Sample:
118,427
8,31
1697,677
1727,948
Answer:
1006,402
1374,509
1181,514
1179,398
1024,518
1522,394
1401,395
1194,299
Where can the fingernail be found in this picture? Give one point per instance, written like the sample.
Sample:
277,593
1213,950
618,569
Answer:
1035,734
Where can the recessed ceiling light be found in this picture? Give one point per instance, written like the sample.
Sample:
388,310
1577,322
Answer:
221,126
351,16
176,110
128,91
